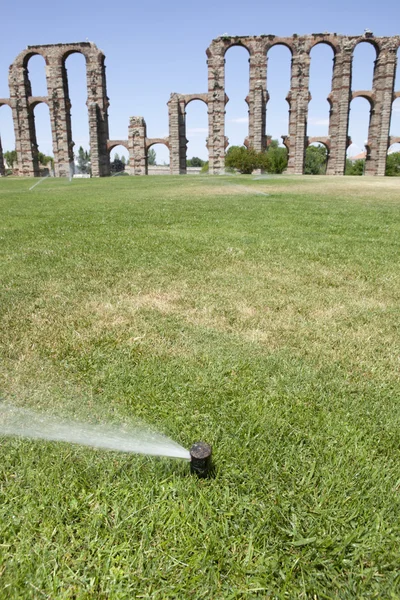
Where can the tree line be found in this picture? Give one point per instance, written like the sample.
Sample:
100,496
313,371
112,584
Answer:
238,158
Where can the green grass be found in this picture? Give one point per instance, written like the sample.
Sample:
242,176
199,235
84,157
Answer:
267,325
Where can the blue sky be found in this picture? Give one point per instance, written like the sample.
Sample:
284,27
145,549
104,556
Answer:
155,48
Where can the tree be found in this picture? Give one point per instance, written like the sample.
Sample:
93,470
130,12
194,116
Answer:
151,157
393,164
45,160
195,162
11,158
117,165
355,167
243,159
274,160
83,160
123,160
315,160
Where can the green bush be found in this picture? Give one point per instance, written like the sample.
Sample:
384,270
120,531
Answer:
355,168
243,159
315,160
393,165
274,160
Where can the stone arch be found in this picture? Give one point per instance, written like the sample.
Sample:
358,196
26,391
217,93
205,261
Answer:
158,168
368,40
359,127
318,112
111,144
152,141
237,117
367,95
277,87
237,43
59,105
198,134
329,40
318,142
188,98
358,69
74,75
121,145
280,42
36,85
33,101
42,122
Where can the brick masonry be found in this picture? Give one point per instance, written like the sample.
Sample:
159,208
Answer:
380,97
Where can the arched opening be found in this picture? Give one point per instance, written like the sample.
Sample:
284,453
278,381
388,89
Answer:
362,71
393,161
360,110
36,70
158,159
237,78
196,133
43,138
119,160
397,76
395,120
8,158
316,159
321,68
278,86
75,70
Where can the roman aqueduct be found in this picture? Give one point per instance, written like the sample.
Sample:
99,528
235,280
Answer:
380,98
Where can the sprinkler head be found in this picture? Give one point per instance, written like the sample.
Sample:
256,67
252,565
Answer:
200,459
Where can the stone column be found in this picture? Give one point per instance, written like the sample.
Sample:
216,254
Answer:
339,99
98,103
177,134
60,116
298,99
24,121
216,111
257,98
2,166
379,126
137,145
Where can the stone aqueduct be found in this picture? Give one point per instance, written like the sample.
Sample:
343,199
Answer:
380,98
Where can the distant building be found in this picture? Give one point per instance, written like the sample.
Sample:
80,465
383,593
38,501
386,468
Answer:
360,156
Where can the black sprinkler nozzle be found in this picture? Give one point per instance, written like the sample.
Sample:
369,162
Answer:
200,459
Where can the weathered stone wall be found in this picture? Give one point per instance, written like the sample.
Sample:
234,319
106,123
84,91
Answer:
23,103
380,97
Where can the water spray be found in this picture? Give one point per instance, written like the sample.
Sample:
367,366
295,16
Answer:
137,439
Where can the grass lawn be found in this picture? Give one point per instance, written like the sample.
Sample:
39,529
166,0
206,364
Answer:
259,315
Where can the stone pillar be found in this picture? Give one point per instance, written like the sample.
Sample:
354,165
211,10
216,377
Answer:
257,99
379,126
177,134
2,166
216,112
137,145
339,99
298,99
97,103
24,121
60,116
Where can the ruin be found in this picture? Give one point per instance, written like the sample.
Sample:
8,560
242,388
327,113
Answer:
380,98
